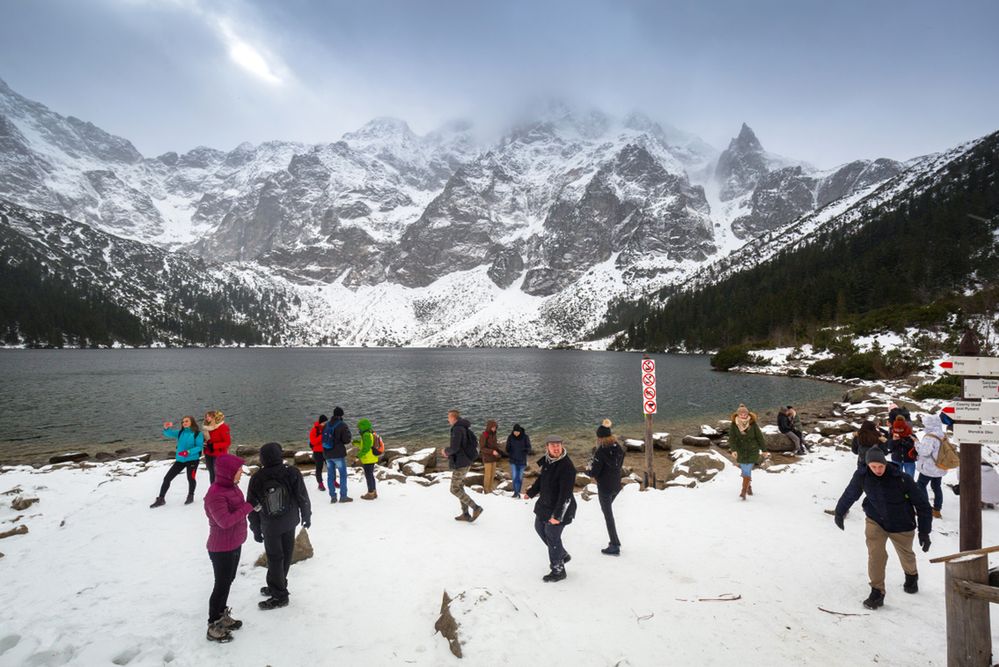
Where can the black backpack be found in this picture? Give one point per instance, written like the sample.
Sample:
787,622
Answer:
471,445
276,500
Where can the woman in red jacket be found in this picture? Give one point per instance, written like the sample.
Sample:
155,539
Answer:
217,440
316,442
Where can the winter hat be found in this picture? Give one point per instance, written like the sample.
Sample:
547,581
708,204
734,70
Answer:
517,429
553,439
322,418
604,430
271,454
875,455
337,412
900,428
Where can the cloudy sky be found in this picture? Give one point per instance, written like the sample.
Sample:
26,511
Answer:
822,81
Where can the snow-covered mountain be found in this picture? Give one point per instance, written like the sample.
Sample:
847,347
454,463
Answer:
389,237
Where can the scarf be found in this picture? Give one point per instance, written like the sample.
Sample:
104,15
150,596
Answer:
743,423
549,458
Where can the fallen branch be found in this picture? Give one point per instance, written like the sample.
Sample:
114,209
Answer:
639,619
724,597
840,613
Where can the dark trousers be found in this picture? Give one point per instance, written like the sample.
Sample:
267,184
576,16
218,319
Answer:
279,549
934,483
551,535
210,464
606,500
191,467
319,460
224,565
369,475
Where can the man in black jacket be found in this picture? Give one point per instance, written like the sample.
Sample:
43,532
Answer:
336,440
892,498
460,454
278,493
556,505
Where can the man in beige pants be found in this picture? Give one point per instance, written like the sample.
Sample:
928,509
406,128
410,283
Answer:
892,497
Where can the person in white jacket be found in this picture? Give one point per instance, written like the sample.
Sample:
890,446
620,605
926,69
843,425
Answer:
928,448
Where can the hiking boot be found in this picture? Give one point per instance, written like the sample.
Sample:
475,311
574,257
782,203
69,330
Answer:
566,559
332,500
911,584
557,574
272,603
475,513
374,495
875,599
937,515
190,499
612,550
216,633
228,622
159,502
266,591
463,517
346,499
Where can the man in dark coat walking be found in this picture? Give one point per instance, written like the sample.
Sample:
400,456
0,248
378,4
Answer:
278,494
460,454
892,498
556,504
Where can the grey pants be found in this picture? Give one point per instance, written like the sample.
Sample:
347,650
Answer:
796,441
458,489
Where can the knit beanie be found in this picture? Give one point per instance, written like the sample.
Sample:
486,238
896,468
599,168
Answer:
337,412
322,418
604,430
875,455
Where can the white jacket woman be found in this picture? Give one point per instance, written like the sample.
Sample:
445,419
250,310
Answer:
928,447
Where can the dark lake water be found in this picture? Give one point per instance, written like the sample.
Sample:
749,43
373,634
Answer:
55,400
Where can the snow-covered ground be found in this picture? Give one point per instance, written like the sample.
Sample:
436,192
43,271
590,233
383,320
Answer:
100,578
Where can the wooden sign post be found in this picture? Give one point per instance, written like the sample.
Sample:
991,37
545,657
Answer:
649,405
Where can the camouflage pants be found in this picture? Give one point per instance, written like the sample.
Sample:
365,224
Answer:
458,489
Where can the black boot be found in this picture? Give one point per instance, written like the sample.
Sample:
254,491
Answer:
875,599
272,603
612,550
557,573
911,583
159,502
190,499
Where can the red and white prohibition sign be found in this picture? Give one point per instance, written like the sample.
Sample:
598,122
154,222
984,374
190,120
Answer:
649,401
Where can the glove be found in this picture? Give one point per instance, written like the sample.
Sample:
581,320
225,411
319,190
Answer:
924,541
307,523
259,537
839,521
184,453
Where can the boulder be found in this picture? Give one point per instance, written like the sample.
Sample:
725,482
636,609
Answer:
634,445
387,474
303,457
696,441
583,479
448,626
834,427
861,394
778,442
247,451
413,468
423,481
392,453
69,457
302,551
704,467
20,530
425,457
708,431
104,456
661,441
23,502
122,451
474,479
724,425
141,458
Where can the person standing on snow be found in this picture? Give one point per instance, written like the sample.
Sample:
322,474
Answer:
745,441
189,445
518,448
608,457
491,453
928,449
460,454
278,493
903,446
316,443
556,504
892,498
227,510
336,439
867,437
217,440
368,457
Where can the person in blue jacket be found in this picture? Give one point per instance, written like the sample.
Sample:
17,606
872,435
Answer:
892,503
189,445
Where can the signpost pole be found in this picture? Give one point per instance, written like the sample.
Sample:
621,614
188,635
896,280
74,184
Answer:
969,476
649,402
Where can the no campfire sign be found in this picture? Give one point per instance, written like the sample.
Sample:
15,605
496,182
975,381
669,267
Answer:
649,400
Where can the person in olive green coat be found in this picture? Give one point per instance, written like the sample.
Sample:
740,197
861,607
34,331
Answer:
745,441
368,458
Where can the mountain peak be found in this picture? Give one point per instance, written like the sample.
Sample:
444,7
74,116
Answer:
746,141
381,127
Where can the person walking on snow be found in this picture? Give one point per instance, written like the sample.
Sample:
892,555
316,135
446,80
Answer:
217,440
745,441
892,498
189,444
316,443
608,457
928,449
336,439
903,445
460,454
491,453
518,448
556,504
368,457
278,493
867,437
227,510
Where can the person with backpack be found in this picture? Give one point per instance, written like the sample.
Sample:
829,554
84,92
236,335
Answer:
903,446
491,453
217,440
892,500
462,451
336,439
605,468
786,426
278,493
189,443
368,451
227,510
556,506
316,443
929,455
746,441
518,448
866,438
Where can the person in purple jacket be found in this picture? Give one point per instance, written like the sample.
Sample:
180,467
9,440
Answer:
227,510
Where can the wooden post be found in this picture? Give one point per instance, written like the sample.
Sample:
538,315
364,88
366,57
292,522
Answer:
969,473
969,635
647,399
650,471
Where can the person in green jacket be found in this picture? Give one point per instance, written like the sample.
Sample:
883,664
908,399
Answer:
745,441
368,457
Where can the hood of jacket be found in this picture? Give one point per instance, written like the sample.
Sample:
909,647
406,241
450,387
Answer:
463,422
271,455
933,425
225,469
363,425
518,427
